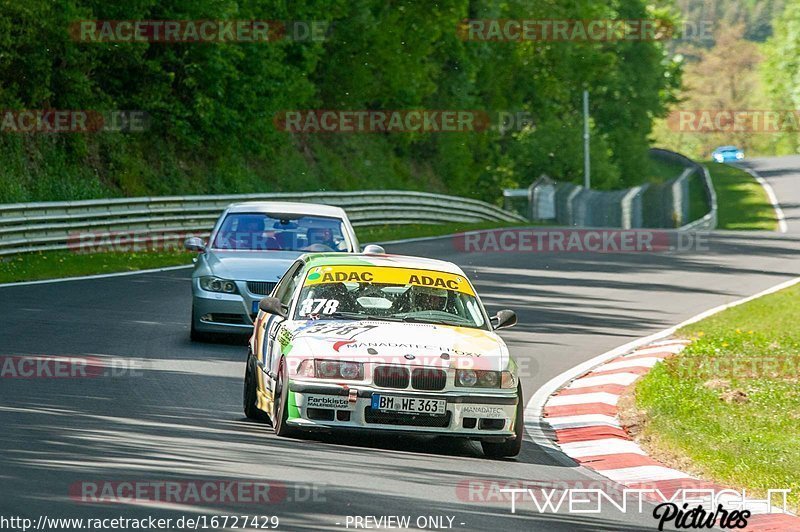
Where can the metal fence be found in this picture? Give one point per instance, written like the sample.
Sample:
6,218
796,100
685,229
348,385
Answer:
26,227
652,205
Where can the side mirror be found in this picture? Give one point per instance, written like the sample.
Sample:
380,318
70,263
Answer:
194,243
374,249
272,305
503,319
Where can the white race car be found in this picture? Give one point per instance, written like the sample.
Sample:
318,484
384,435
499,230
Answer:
383,343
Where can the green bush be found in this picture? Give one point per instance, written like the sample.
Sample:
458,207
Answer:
211,106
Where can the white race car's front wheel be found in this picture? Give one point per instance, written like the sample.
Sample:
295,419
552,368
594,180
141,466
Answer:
281,402
509,448
250,395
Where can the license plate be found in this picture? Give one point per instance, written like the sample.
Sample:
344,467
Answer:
408,405
255,307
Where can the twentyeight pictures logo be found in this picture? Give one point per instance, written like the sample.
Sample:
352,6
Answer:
682,505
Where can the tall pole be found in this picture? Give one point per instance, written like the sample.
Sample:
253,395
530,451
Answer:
587,181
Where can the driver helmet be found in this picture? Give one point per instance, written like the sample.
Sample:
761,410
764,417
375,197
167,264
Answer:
427,298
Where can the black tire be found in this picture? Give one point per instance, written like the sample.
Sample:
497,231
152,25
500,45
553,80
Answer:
281,405
509,448
249,396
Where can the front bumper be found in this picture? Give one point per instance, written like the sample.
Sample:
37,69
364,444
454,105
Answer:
215,312
481,416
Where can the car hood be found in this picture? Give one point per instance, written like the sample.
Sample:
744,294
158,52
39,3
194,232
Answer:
415,344
251,265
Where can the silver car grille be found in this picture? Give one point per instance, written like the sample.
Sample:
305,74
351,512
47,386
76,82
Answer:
262,288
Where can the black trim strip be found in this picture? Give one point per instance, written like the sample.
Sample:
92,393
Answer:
367,394
317,389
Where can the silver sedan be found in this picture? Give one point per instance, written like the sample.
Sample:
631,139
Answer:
250,248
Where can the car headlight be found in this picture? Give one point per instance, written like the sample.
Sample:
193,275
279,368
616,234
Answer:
469,378
331,369
215,284
466,377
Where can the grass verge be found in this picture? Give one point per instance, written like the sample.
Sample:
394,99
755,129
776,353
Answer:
57,264
743,203
729,405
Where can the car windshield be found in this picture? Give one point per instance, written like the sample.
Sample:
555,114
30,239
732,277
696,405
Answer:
389,294
260,232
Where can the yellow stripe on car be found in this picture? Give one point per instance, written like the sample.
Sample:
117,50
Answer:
388,275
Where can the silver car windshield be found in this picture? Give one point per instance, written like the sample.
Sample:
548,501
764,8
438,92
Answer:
264,232
395,301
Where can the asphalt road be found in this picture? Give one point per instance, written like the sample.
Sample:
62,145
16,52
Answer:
173,412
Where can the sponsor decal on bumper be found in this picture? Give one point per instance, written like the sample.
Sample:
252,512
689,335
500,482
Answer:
328,401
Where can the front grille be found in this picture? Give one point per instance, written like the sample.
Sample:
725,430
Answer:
491,424
391,377
428,379
408,420
230,319
320,414
262,288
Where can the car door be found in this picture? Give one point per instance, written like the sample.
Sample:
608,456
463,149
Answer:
275,327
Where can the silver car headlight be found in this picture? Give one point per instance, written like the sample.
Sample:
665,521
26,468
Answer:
210,283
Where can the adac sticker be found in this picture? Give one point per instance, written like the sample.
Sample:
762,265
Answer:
388,275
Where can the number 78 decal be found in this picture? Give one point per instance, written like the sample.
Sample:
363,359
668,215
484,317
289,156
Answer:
318,306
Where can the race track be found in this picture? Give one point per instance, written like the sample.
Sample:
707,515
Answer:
177,415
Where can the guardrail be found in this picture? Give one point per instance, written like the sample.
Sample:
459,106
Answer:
708,222
26,227
653,205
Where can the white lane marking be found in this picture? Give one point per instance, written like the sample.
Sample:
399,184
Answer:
583,399
773,199
98,276
583,420
647,362
534,428
648,473
601,447
616,378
